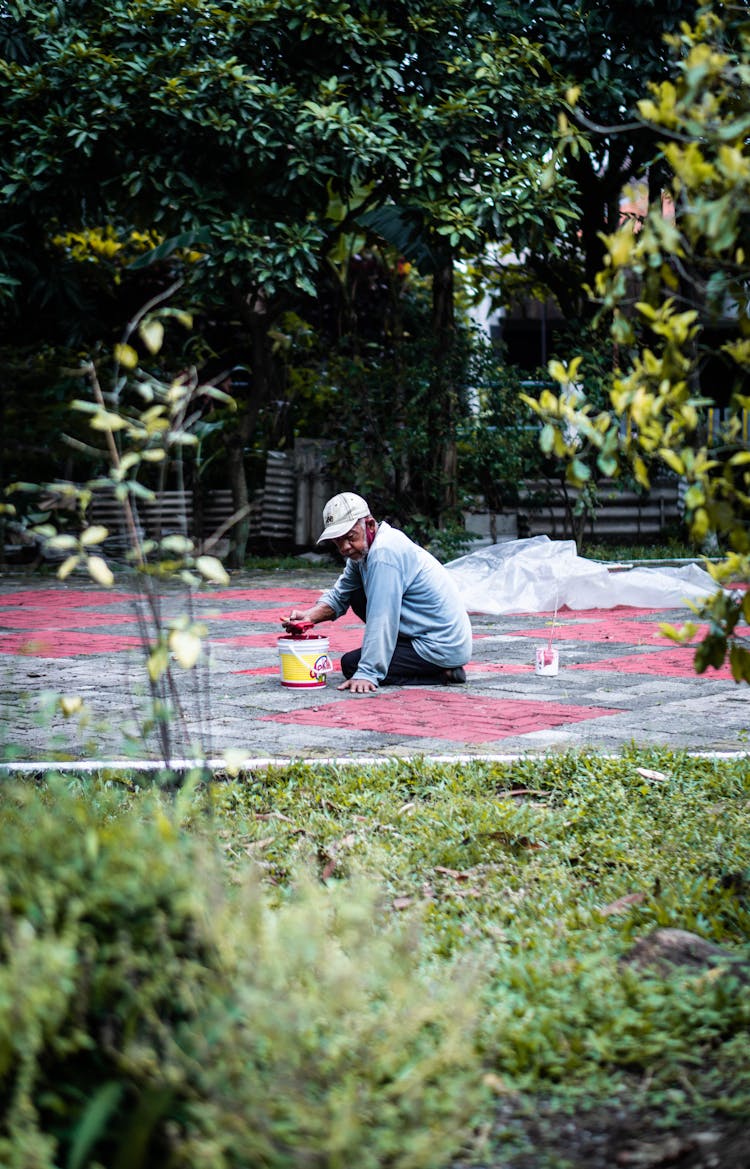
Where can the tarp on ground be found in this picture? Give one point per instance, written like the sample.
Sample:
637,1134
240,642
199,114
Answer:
540,575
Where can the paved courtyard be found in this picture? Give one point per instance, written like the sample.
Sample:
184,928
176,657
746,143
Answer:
619,681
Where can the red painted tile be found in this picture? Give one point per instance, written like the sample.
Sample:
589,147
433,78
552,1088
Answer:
40,598
297,598
622,631
440,714
59,618
65,645
674,663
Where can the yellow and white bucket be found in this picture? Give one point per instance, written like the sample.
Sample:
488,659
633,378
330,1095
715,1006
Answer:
304,661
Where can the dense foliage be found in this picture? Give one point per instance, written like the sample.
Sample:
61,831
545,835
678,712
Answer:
263,154
669,282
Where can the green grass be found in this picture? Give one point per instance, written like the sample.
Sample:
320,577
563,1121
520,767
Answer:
286,564
518,866
536,877
666,550
522,865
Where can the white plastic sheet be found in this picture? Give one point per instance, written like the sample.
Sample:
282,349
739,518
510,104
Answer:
540,575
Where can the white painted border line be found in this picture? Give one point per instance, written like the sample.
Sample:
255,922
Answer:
265,763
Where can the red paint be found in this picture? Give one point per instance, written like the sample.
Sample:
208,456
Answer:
54,644
78,598
442,714
59,618
301,598
605,629
665,663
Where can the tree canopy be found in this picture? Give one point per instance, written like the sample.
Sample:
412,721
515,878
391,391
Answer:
234,146
242,121
665,282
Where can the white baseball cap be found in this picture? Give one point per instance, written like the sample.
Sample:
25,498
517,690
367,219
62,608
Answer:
341,513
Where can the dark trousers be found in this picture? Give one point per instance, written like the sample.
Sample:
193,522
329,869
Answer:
407,667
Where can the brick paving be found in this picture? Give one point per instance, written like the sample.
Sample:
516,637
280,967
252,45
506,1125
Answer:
620,681
444,713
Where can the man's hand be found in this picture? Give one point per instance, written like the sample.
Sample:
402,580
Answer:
357,686
296,617
318,612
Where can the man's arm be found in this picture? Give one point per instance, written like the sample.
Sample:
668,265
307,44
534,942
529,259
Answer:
384,597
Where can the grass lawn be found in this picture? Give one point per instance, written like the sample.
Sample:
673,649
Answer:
408,964
544,875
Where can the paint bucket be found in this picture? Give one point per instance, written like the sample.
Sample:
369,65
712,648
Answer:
303,661
546,661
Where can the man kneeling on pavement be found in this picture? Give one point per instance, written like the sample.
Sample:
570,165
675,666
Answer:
417,631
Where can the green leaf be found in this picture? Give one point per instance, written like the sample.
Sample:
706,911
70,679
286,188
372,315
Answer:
711,652
187,239
581,472
93,1123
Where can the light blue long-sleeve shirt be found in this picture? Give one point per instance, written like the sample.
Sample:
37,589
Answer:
408,591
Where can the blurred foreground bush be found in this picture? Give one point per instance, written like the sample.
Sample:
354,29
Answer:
157,1010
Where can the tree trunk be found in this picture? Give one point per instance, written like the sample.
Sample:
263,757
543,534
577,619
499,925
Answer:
250,396
444,393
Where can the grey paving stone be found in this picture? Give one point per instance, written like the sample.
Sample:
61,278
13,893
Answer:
227,708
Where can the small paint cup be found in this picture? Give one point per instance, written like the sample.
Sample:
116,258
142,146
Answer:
546,661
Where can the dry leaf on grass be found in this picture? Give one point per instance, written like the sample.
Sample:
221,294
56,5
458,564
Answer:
622,904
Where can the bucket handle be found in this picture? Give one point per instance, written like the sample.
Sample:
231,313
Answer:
316,673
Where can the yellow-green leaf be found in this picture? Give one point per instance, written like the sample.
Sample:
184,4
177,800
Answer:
62,543
152,335
673,460
106,420
94,535
700,525
186,647
100,571
177,545
158,660
126,356
128,460
640,470
67,567
233,759
558,372
212,570
70,704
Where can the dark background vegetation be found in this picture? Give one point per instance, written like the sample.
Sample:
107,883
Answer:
327,191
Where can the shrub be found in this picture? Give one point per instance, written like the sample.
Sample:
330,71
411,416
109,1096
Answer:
155,1010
